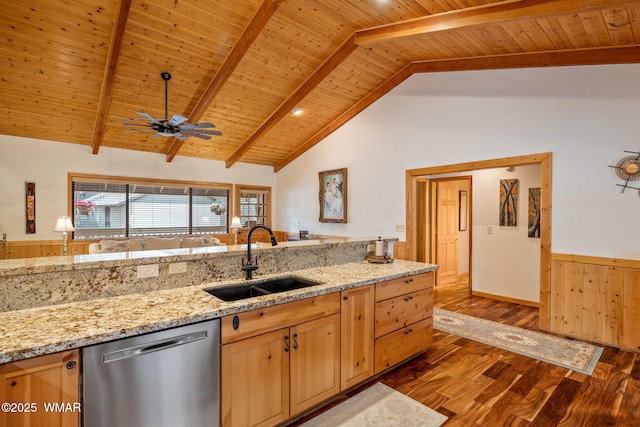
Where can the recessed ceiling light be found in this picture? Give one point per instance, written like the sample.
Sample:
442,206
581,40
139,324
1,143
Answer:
297,111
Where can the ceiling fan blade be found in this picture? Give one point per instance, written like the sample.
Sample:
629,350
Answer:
176,120
201,136
198,125
148,117
196,132
180,136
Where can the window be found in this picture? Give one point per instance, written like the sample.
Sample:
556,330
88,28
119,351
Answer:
107,207
254,205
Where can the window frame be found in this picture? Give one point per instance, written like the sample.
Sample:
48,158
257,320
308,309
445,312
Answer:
109,179
239,189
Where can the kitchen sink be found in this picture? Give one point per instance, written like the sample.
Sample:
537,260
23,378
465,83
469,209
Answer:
262,287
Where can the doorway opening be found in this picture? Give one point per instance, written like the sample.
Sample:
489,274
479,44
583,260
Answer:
416,248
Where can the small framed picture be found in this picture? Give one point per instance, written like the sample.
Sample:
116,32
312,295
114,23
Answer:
333,195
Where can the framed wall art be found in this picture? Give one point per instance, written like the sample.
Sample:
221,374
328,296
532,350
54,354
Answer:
30,207
333,195
534,212
509,202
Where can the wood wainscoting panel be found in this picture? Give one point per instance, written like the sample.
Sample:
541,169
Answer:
597,299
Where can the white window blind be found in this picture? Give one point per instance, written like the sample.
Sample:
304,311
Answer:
108,210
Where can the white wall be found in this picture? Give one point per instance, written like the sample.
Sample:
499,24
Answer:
585,116
47,163
507,261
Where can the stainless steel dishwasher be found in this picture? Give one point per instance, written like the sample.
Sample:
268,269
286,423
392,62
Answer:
167,378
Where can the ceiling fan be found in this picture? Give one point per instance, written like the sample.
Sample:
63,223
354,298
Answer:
176,126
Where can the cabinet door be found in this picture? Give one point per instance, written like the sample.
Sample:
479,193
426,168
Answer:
315,362
255,380
357,336
29,384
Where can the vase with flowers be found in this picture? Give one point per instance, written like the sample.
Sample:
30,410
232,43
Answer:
84,208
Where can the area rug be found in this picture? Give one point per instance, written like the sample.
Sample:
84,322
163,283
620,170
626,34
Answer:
570,354
378,406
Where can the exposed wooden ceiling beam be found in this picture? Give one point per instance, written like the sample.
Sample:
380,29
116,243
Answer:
560,58
122,15
394,81
489,14
249,35
303,90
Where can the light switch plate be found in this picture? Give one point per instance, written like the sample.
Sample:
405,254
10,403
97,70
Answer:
177,267
145,271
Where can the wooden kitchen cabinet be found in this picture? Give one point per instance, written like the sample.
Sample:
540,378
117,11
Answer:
255,380
41,391
357,335
403,319
270,375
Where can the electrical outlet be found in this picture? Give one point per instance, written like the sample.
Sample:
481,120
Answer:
145,271
177,267
490,229
400,228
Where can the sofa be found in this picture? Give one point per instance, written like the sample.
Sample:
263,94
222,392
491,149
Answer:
150,243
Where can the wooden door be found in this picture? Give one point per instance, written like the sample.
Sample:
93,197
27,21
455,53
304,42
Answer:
447,231
356,336
51,380
315,362
255,380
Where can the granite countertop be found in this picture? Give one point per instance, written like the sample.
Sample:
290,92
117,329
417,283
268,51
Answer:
33,332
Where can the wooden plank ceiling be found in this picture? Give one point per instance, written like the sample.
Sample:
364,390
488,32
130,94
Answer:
72,71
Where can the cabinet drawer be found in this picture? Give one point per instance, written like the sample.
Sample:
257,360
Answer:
393,348
395,313
254,322
403,285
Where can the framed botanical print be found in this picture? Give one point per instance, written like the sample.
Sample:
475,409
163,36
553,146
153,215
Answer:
333,195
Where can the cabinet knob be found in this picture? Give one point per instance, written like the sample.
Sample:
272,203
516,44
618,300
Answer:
345,297
71,364
407,299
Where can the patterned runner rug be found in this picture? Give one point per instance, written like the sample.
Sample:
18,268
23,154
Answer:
570,354
378,406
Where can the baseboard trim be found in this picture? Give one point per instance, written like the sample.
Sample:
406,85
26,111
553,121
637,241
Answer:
506,299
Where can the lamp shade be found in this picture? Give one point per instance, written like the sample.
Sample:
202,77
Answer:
235,222
64,224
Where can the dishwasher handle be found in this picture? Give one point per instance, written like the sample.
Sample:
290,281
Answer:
150,347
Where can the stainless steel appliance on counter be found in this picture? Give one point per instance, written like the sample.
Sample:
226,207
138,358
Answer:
168,378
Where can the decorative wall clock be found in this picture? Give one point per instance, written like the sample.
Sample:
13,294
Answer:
628,169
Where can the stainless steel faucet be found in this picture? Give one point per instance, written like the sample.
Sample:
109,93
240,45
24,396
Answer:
249,266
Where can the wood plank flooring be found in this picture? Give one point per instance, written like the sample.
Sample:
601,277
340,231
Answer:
478,385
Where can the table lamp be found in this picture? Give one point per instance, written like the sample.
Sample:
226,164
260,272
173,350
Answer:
64,225
235,225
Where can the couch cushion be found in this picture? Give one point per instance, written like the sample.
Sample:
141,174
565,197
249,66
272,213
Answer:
211,241
134,245
154,243
191,242
108,246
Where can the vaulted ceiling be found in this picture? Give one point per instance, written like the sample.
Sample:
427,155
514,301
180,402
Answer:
74,70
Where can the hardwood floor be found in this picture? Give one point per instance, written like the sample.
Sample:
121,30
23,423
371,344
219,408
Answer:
478,385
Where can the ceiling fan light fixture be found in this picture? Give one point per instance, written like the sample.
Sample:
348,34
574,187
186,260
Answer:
296,111
176,126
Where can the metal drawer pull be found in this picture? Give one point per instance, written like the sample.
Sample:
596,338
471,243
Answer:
295,341
146,348
407,332
408,281
407,299
286,344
